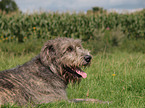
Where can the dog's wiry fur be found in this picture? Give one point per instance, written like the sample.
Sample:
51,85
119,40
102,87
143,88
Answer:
45,77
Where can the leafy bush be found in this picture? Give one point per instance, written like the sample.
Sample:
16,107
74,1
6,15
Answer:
105,40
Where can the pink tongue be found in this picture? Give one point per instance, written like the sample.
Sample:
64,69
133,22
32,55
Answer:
83,74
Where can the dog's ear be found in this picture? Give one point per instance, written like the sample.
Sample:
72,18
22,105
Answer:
47,53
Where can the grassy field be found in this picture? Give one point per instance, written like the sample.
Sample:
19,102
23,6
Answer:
117,77
117,42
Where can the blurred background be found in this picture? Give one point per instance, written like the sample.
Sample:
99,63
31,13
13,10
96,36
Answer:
101,24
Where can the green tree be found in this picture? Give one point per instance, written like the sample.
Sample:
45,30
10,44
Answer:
8,5
98,9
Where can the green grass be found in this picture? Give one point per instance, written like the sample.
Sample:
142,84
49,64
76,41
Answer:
126,89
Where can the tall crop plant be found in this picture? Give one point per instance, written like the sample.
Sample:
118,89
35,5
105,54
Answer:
41,25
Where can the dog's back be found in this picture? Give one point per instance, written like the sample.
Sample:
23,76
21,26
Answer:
31,82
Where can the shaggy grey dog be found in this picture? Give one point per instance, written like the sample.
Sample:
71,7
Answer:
45,77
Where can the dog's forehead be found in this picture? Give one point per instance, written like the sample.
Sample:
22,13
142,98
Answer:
69,42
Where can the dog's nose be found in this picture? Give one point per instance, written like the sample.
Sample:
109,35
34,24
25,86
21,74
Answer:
87,58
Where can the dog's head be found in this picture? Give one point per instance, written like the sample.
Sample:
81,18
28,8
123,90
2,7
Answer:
68,55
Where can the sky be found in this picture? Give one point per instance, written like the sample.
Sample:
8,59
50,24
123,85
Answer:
77,5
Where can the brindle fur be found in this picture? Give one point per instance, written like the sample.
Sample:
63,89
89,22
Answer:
43,79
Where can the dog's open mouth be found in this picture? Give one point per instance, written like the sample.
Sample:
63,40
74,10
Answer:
76,71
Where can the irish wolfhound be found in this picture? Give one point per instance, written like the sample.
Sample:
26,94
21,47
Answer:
45,77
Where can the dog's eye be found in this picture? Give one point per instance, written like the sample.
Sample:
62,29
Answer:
70,48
